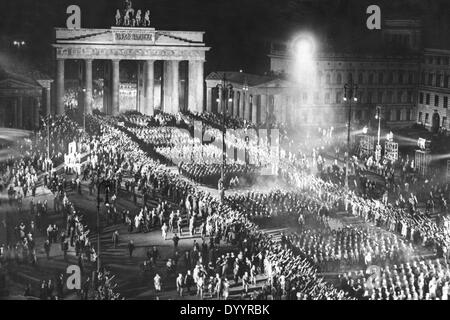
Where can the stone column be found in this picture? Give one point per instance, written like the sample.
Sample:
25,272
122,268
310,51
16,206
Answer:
241,104
88,86
200,86
60,86
236,99
167,86
115,86
149,87
208,99
175,79
196,86
284,105
247,115
37,110
255,106
220,103
20,112
48,102
263,113
16,113
291,110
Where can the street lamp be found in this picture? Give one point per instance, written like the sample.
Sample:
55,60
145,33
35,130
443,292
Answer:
378,148
104,183
349,95
226,89
84,109
19,44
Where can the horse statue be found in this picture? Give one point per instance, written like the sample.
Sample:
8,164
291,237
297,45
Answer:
118,17
138,18
147,19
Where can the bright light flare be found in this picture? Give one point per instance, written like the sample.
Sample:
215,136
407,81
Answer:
303,49
304,69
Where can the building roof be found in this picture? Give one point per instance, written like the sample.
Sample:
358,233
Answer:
19,69
7,75
240,77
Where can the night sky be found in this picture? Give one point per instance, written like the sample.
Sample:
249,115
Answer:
235,29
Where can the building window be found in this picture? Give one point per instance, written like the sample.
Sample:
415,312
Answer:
408,114
360,78
421,97
399,96
328,78
438,80
400,77
305,97
420,117
369,97
422,78
339,97
446,81
349,77
436,100
409,97
316,97
380,97
390,97
319,78
445,102
327,97
391,78
371,78
392,115
446,61
430,79
427,120
339,78
410,78
399,115
381,78
427,102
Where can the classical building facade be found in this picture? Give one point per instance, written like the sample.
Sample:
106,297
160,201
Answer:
23,99
409,87
144,45
434,89
390,82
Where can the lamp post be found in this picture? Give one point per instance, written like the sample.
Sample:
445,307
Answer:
227,96
84,109
378,147
349,95
105,183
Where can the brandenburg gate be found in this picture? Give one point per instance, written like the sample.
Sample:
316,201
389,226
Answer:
140,44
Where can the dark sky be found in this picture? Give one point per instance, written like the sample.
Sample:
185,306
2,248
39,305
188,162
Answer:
234,28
